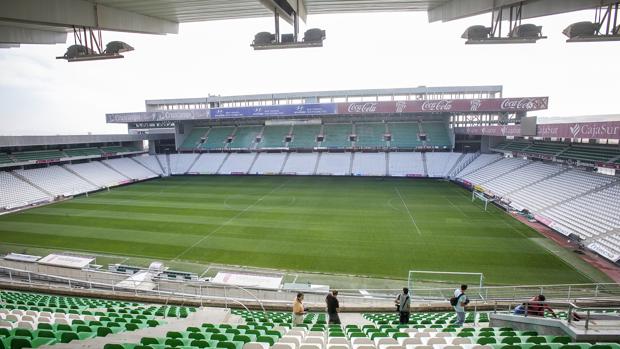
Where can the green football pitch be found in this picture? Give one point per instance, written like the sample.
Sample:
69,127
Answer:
356,226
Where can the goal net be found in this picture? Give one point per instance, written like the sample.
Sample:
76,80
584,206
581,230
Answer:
440,285
479,193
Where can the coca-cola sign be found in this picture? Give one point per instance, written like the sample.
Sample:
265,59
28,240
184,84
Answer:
591,130
522,104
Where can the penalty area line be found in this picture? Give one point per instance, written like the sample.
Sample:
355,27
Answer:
408,211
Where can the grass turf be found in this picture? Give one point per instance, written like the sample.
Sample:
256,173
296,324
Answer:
365,226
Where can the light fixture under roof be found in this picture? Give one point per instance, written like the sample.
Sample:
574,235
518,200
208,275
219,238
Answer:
88,46
517,33
604,27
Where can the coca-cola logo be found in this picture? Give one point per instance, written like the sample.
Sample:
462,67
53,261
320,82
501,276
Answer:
443,105
522,104
362,108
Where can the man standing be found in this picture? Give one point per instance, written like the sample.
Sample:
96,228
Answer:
403,303
461,302
332,307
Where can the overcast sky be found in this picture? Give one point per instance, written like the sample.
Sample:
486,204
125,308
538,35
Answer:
42,95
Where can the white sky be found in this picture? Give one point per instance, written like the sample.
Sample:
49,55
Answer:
42,95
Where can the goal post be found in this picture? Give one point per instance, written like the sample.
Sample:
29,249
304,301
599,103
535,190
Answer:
440,284
479,193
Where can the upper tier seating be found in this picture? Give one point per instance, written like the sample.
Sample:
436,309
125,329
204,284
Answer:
546,148
192,141
130,168
404,134
245,137
478,163
98,173
38,155
588,153
556,189
436,134
5,159
16,193
237,163
439,164
337,164
268,163
120,149
180,163
216,137
495,170
513,145
370,135
208,163
75,152
336,136
520,178
405,164
369,164
304,136
57,181
274,136
300,163
150,162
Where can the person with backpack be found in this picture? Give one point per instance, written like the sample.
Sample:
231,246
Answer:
403,305
459,301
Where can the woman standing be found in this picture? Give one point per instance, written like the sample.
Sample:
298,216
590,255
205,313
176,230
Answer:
298,310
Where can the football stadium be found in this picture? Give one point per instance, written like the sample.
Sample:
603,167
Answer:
201,225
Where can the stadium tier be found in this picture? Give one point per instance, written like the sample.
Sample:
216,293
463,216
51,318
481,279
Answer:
304,136
371,135
406,164
436,135
192,141
274,136
337,135
404,135
245,137
208,163
301,163
268,163
217,137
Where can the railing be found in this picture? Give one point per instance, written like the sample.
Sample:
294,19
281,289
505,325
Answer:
199,291
574,311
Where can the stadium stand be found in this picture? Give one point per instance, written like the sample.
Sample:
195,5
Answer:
370,135
208,163
130,168
589,153
57,181
369,164
404,135
520,178
440,164
336,136
14,192
274,136
513,145
150,162
180,163
237,163
5,159
304,136
336,164
301,163
120,149
406,164
164,161
245,137
553,191
97,173
437,134
478,163
82,152
216,137
268,163
494,170
38,155
192,141
589,215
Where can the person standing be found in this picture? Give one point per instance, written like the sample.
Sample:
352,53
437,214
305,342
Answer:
298,309
461,302
403,304
332,308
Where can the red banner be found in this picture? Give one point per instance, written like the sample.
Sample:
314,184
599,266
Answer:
504,130
594,130
522,104
606,165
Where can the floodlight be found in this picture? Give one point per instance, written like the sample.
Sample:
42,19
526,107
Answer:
75,51
264,38
589,32
477,32
526,31
314,35
116,47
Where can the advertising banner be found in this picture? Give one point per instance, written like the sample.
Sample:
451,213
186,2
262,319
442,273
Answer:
275,110
591,130
521,104
501,130
164,115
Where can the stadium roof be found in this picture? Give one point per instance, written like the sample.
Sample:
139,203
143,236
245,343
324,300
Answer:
47,21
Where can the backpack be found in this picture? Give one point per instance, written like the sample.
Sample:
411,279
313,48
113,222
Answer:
455,300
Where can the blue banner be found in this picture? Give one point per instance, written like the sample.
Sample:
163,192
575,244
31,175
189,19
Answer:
275,110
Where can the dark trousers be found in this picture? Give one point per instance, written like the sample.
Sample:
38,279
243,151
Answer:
333,319
404,317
